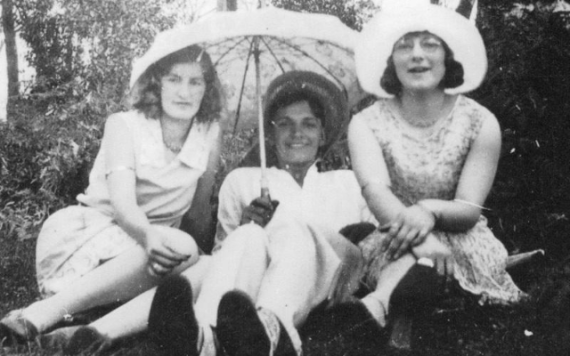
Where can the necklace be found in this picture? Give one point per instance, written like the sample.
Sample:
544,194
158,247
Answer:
419,122
171,147
174,148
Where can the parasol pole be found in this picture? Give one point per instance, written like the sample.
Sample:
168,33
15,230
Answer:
261,126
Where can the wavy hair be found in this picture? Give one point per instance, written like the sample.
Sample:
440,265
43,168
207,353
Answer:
146,95
452,79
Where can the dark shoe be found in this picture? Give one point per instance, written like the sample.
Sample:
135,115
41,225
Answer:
15,329
343,329
172,324
58,339
418,290
86,341
357,232
241,332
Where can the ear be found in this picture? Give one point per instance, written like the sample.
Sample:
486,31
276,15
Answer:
323,139
269,136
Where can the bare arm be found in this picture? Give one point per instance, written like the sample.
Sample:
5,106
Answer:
406,226
371,172
120,164
474,184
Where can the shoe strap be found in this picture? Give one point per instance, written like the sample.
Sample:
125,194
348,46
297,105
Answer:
272,328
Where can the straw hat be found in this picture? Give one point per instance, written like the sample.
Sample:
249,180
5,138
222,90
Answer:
316,86
378,37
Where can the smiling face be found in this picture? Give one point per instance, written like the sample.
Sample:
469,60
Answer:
297,134
419,60
183,88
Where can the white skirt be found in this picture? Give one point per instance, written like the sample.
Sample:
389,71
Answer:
74,241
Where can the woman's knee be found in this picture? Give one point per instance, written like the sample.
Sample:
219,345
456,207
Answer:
180,241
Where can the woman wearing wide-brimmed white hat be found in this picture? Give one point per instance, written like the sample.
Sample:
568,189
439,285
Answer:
425,155
123,236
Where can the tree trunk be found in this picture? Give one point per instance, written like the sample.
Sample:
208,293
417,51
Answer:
11,48
227,5
232,5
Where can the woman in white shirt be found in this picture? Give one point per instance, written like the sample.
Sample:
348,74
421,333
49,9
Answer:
154,162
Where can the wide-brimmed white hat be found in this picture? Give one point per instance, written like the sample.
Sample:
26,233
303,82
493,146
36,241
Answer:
381,33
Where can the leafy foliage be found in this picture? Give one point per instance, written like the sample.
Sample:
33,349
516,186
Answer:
53,53
351,13
528,89
45,160
82,54
91,41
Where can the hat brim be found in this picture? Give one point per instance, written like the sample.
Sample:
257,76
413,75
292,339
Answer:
378,37
316,86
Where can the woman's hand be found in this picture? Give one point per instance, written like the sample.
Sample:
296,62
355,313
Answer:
166,249
410,228
438,253
260,211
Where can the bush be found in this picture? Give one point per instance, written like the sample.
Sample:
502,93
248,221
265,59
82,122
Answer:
46,158
528,88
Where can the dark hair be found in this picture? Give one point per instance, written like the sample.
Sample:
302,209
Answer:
452,79
286,99
147,96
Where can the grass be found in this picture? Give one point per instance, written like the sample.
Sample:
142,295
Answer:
466,329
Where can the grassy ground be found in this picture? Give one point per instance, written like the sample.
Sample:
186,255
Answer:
464,328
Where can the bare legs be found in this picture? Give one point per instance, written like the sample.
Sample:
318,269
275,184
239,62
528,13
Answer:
132,317
119,279
378,301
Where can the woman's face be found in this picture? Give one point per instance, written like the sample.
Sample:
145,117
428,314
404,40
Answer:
297,133
183,88
419,59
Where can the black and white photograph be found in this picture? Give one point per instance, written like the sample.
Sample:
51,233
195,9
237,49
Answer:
285,177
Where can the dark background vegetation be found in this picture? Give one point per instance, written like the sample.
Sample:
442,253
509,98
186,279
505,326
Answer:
48,145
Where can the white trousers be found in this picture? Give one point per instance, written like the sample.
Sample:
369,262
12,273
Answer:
288,267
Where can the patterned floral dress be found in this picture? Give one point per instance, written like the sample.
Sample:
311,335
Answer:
429,167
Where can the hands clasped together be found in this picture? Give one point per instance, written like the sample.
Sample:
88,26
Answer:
410,231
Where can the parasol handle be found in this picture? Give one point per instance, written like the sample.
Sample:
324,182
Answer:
265,192
261,126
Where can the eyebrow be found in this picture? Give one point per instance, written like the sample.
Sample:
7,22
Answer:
420,35
291,119
171,74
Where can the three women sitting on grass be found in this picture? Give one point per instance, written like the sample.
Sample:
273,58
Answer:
424,158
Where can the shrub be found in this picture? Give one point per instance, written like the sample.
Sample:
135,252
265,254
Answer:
45,158
527,87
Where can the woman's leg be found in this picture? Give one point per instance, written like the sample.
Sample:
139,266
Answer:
132,317
119,279
377,302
